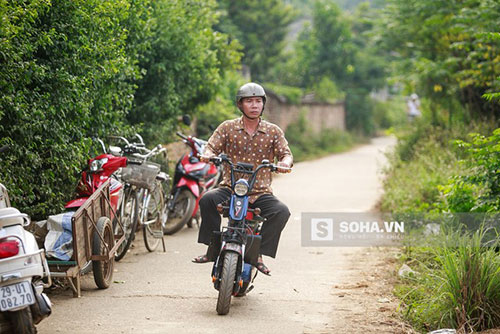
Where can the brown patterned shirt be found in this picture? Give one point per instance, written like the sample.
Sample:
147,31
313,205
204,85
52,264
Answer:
267,142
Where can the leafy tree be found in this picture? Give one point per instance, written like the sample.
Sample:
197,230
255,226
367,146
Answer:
446,50
334,55
184,66
337,47
261,27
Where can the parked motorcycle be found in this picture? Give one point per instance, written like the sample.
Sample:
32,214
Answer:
192,179
123,198
22,269
235,250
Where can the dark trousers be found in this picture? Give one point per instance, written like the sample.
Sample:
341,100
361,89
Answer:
276,212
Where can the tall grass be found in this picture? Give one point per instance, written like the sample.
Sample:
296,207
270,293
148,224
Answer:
469,283
458,279
457,284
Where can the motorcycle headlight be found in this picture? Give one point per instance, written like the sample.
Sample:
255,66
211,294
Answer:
96,165
241,188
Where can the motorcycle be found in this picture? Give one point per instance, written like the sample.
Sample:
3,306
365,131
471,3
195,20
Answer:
192,178
22,269
98,171
235,249
123,198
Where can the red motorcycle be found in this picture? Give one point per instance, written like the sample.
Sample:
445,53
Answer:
123,197
192,179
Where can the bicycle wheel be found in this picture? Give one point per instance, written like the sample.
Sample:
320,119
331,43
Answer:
153,227
129,212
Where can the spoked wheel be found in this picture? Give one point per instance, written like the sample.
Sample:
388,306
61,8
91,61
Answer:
156,212
103,269
129,219
181,213
226,286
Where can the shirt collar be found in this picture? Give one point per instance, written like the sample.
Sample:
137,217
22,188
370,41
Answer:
261,127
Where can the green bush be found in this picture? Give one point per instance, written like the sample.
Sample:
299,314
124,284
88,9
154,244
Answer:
306,144
389,114
293,95
327,91
73,70
483,162
65,77
418,165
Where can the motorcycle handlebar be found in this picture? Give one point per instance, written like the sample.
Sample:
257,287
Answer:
183,136
102,145
141,141
138,145
265,164
134,162
222,158
157,150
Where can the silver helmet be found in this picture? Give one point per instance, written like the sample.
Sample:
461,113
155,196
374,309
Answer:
251,89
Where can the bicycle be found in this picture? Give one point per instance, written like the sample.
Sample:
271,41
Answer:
152,190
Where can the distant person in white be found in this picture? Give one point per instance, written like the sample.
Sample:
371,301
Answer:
413,105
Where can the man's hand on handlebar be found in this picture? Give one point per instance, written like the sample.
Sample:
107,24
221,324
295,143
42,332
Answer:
206,158
283,167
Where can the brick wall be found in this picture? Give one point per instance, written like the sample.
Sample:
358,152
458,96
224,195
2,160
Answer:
319,114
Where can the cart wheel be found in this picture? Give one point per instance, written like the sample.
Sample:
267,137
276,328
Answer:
103,269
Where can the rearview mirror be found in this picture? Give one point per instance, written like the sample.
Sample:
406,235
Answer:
115,150
186,120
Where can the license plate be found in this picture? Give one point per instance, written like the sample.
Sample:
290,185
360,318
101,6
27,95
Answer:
16,295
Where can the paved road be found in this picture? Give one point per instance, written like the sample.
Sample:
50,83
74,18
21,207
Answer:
166,293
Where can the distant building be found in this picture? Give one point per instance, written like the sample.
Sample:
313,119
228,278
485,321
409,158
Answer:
320,115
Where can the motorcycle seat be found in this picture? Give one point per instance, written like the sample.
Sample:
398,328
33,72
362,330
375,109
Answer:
10,216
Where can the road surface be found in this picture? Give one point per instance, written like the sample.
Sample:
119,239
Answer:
311,290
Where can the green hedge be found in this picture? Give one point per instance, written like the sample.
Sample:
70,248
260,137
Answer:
63,79
72,70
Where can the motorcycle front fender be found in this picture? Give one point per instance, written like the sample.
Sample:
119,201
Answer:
232,247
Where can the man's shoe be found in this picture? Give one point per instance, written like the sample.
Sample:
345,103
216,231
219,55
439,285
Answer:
200,259
263,269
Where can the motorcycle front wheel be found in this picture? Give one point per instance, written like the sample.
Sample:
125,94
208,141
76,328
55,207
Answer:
226,286
181,213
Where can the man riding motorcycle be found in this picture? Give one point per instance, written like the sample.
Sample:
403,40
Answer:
248,139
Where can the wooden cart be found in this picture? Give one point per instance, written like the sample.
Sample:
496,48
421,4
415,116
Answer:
94,242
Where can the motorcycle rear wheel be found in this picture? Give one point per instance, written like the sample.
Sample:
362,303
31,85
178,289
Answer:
182,212
22,321
243,290
226,286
